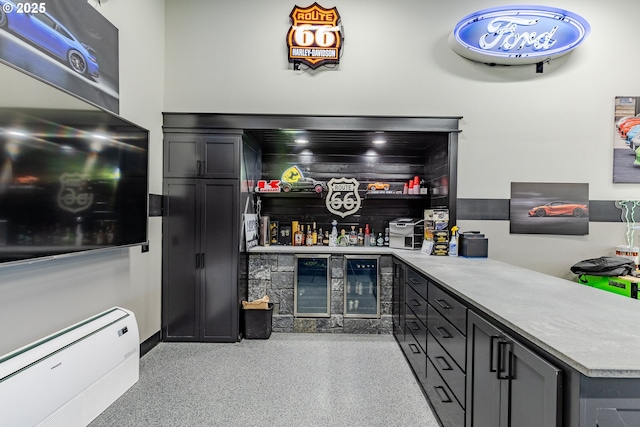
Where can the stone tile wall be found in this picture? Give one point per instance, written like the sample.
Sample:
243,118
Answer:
273,275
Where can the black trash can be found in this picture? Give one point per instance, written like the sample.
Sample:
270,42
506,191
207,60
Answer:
257,323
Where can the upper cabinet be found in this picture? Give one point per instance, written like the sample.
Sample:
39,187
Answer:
202,156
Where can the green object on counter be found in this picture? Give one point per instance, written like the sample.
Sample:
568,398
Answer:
615,284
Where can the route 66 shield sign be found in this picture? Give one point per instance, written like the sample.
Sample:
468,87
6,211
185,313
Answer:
314,37
343,198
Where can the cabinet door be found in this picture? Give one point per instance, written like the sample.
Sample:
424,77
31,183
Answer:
221,156
220,229
181,156
483,386
181,272
532,390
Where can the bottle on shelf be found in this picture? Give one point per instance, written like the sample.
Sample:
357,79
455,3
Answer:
367,234
353,236
309,237
325,239
298,237
314,235
319,237
386,236
333,240
360,237
372,238
343,239
380,241
294,228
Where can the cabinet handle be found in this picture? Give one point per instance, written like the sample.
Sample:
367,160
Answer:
198,167
197,261
414,281
414,349
442,392
505,368
202,260
415,326
442,303
492,367
415,302
443,332
444,365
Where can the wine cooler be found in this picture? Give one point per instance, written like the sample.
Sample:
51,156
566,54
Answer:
362,286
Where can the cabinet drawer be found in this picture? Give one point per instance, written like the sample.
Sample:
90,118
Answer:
449,411
416,356
452,310
447,368
449,337
417,328
417,282
417,304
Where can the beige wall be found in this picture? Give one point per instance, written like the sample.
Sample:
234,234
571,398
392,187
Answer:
518,126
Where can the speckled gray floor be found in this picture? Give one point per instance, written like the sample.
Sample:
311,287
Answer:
288,380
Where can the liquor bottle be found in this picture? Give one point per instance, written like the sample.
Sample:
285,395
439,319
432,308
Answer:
367,234
372,238
309,238
314,234
343,239
298,237
333,241
325,239
319,237
360,237
353,236
380,241
386,236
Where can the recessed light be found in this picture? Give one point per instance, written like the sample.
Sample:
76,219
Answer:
301,141
379,141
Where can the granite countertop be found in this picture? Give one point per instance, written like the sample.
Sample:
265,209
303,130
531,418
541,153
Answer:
594,331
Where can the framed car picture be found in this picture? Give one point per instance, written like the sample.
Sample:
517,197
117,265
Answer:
626,139
549,208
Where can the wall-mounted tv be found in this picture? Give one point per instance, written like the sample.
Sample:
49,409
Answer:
70,181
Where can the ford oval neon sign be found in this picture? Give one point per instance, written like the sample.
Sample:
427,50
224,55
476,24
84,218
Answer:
518,35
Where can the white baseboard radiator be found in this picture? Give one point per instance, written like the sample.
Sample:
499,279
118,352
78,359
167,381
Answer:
70,377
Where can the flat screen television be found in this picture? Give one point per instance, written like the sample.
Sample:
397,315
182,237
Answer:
70,181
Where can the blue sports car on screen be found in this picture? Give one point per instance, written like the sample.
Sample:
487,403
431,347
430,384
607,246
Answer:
42,30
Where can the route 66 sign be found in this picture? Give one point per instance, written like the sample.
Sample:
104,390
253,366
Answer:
343,198
75,194
314,37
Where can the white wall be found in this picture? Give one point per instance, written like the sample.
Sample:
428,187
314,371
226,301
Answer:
518,126
40,298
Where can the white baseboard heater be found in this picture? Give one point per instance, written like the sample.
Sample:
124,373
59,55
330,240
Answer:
70,377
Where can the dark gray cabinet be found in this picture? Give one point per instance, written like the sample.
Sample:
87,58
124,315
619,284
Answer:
189,155
507,384
200,258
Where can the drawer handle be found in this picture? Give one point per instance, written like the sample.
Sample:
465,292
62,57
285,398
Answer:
442,303
415,326
415,302
443,332
414,281
414,349
442,392
444,365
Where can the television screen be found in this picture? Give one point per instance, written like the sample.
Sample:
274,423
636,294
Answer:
70,181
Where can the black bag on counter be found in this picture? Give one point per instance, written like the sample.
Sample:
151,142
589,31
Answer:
604,266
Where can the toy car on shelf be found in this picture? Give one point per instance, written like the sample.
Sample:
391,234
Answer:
304,184
378,186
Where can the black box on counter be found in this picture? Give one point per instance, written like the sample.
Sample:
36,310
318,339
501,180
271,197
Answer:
441,236
473,244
